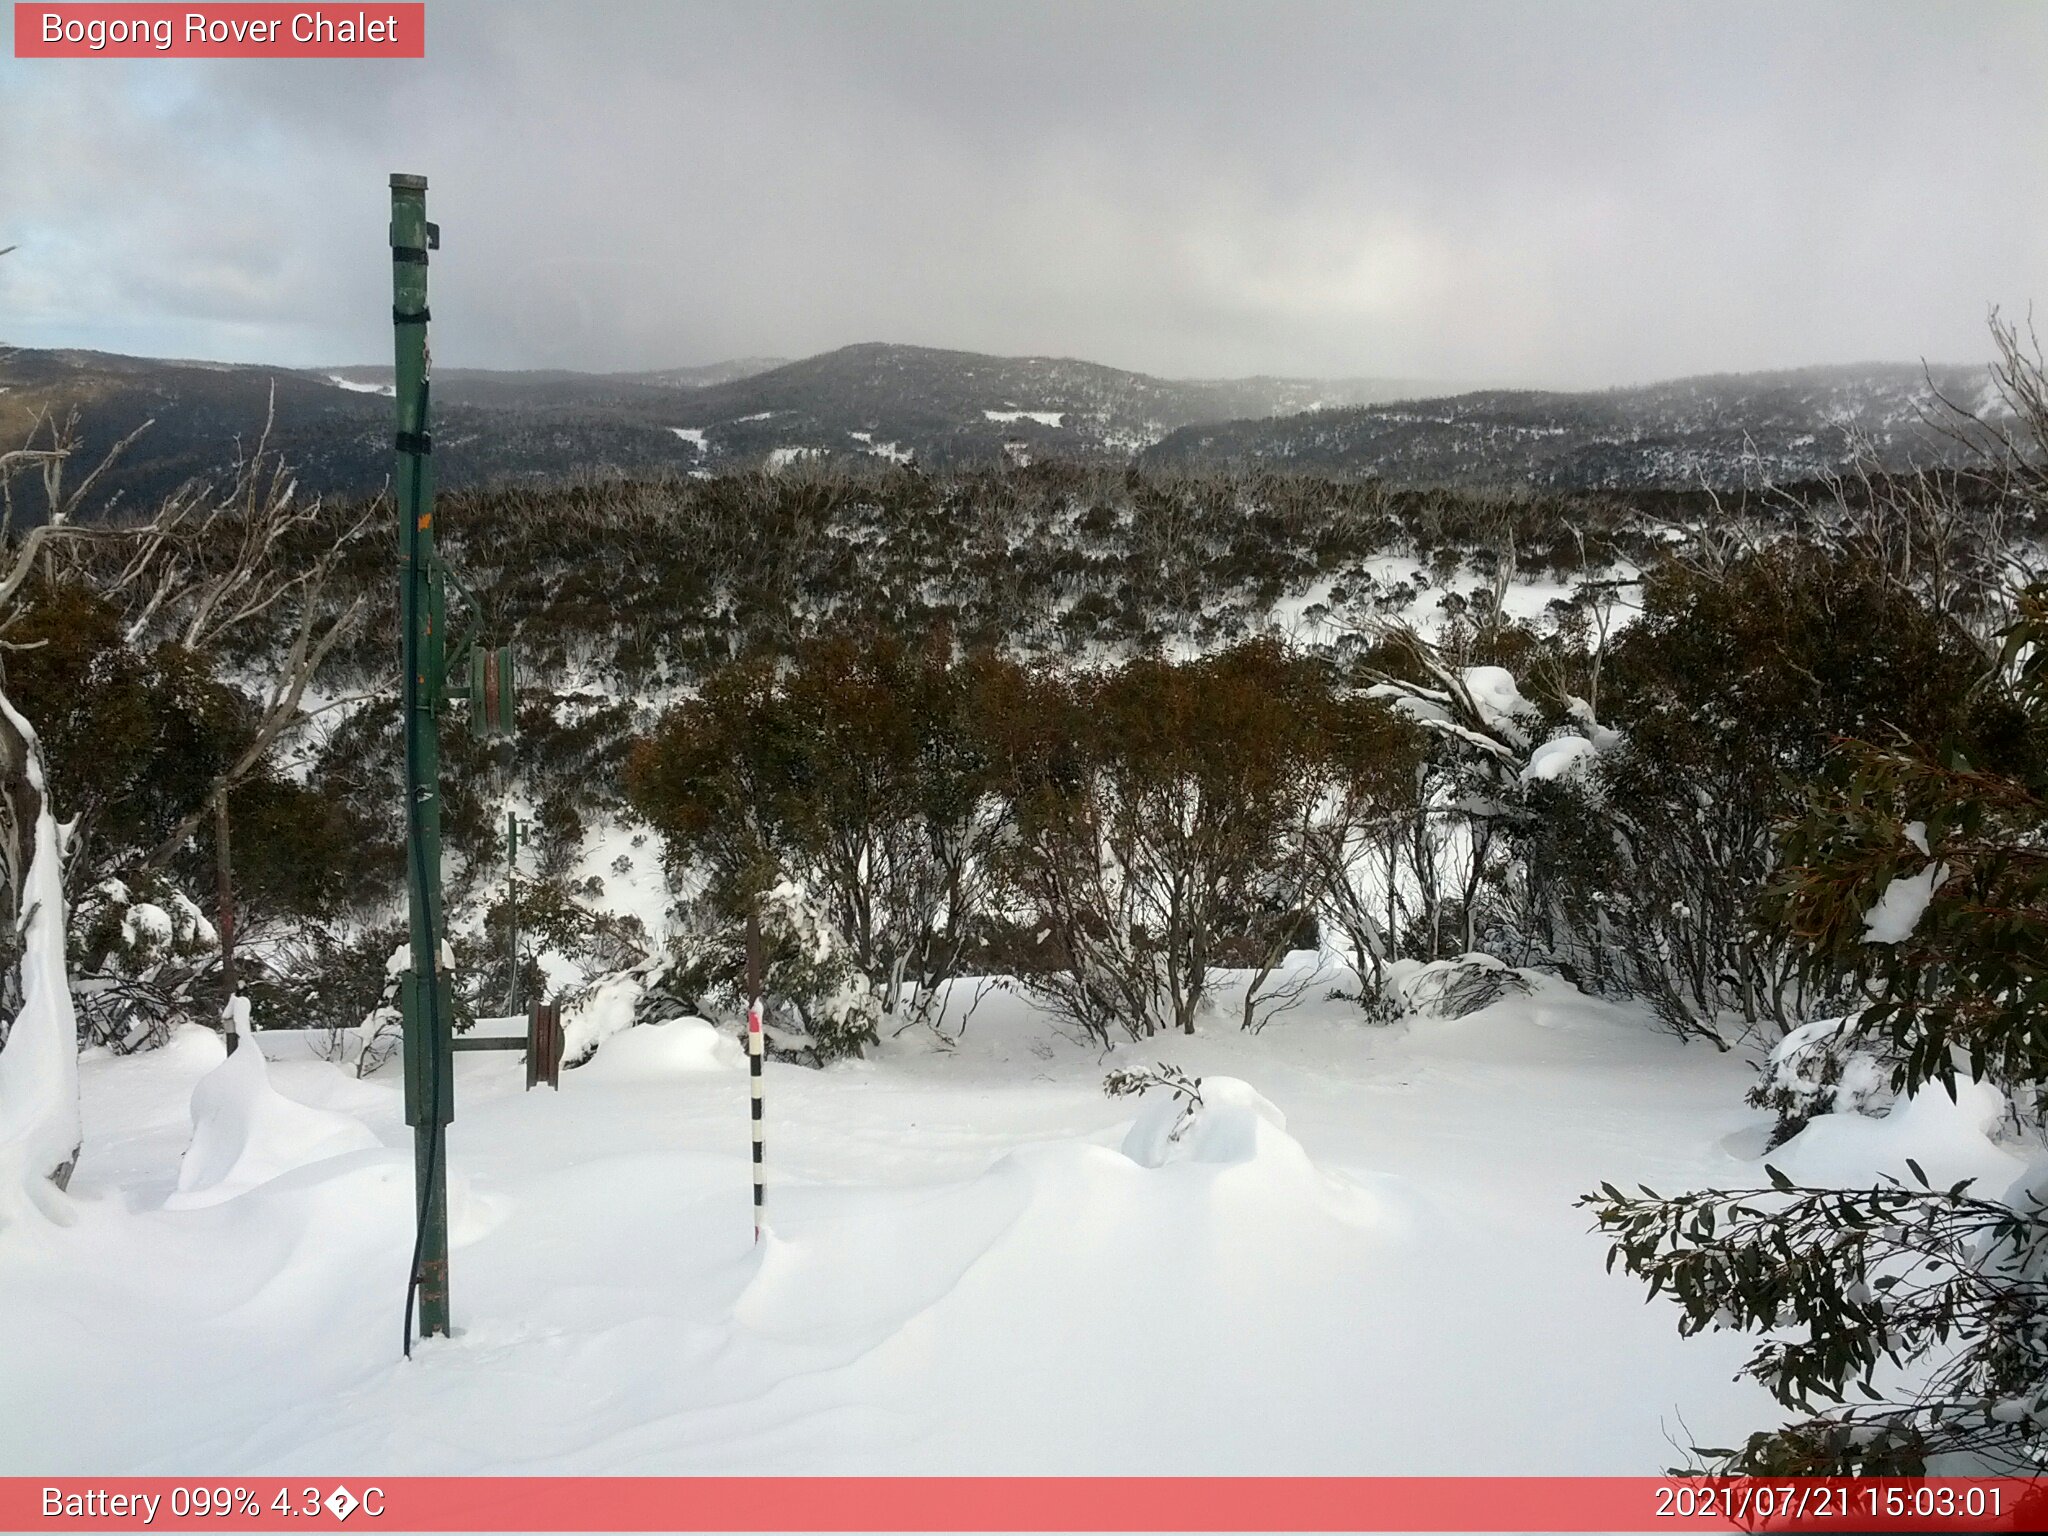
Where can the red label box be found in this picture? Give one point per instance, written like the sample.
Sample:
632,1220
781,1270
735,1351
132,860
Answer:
366,29
1679,1506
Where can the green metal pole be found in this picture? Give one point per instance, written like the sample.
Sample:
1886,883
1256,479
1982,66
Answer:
425,994
512,901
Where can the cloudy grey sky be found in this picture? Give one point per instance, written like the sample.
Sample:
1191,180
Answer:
1552,193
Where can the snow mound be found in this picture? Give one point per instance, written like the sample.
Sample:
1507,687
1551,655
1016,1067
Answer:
1234,1123
245,1133
313,1242
1043,418
1823,1064
191,1048
651,1052
920,1283
1948,1139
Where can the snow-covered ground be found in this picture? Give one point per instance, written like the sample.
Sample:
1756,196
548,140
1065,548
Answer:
967,1272
359,387
1043,418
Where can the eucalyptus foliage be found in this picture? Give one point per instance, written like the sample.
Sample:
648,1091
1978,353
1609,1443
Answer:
1905,1321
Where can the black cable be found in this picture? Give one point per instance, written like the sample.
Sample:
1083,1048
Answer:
417,574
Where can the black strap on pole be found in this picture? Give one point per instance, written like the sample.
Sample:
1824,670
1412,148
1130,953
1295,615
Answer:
430,987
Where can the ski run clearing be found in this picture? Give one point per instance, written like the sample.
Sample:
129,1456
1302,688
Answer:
1360,1257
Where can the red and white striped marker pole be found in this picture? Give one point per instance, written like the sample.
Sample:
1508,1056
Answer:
754,1054
756,1050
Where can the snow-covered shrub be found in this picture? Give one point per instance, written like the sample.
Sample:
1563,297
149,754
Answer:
134,733
142,953
1161,816
1517,841
1730,691
837,1009
373,1044
1450,989
559,824
1823,1068
820,1006
858,773
1208,1120
1166,1119
1450,875
1359,835
342,985
1130,1082
355,1004
550,915
1844,1287
606,1006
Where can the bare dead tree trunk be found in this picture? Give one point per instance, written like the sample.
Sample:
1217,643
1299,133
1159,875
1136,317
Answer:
224,902
20,804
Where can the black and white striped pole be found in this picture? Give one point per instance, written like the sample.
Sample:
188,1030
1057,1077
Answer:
756,1051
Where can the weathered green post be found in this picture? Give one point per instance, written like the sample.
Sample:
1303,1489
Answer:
512,907
425,997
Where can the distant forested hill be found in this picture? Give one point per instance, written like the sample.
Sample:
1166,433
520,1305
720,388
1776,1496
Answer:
1721,430
880,404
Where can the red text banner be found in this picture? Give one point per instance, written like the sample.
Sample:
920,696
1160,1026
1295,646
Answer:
393,1504
220,31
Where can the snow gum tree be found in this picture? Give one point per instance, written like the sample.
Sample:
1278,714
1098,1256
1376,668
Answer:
112,633
247,572
1447,879
165,661
1109,840
851,785
1162,812
1374,796
1906,1324
1728,693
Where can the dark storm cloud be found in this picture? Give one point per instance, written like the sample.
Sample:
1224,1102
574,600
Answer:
1543,193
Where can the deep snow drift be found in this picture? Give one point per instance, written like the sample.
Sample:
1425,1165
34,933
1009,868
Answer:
245,1133
39,1110
1361,1256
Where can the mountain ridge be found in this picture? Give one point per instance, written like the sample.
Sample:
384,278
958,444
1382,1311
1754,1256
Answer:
1717,429
888,403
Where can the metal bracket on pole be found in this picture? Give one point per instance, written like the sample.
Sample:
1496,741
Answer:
544,1045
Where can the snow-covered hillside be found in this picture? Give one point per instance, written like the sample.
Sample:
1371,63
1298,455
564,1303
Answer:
1721,430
